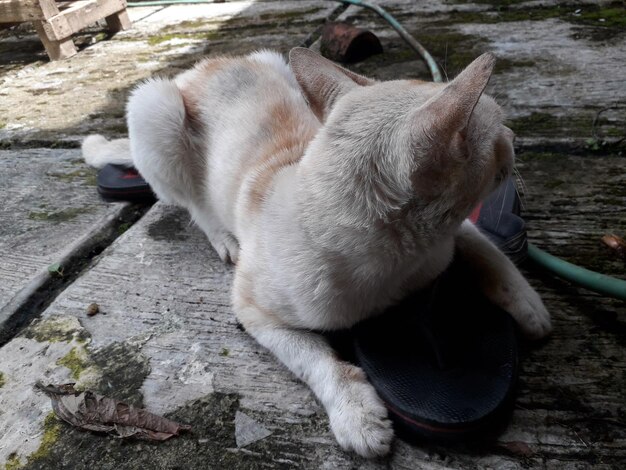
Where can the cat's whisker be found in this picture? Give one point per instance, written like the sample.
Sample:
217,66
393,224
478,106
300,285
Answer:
500,189
520,183
445,63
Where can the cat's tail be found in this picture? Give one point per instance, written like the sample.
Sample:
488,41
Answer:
98,151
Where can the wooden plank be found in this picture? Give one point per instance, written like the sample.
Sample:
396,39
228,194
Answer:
26,10
49,8
57,49
20,10
118,21
55,29
81,15
71,18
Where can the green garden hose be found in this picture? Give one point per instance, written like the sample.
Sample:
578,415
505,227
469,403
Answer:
591,280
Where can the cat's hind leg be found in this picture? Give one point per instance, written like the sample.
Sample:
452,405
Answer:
223,242
168,151
357,415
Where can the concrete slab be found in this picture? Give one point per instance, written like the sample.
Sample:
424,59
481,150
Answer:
51,212
51,102
165,337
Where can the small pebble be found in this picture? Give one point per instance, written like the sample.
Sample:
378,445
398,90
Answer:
92,309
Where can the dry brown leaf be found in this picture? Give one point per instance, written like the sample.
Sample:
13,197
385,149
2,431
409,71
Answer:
93,412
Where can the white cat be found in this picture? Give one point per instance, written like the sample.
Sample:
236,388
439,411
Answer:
334,195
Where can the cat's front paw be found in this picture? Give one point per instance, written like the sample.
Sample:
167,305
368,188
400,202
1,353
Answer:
531,314
359,421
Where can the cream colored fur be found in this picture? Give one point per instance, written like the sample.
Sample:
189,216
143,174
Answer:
335,196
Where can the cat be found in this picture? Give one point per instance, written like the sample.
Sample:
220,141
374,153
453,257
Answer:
335,195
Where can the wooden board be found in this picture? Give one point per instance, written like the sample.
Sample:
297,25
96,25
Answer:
56,24
84,12
26,10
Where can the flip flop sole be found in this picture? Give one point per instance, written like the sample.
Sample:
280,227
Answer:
448,379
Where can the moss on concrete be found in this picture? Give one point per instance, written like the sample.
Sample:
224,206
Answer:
122,228
122,371
155,40
454,50
290,15
606,21
59,216
85,175
76,361
13,463
197,30
56,328
612,17
614,14
210,444
597,131
52,431
534,121
2,379
51,434
538,155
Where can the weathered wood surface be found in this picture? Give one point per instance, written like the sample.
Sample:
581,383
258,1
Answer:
48,202
26,10
58,46
166,337
55,23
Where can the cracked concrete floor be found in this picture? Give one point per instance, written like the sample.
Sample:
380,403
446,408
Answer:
166,338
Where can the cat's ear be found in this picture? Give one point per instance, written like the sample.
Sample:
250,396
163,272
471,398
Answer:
450,110
321,80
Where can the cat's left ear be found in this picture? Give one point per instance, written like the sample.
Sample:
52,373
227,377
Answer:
321,80
451,109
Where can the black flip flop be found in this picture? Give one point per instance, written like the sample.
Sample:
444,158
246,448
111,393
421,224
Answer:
445,361
120,183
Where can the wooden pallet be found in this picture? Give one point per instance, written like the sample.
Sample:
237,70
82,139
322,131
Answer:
57,21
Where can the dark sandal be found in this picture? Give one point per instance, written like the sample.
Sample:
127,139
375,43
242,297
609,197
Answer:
444,361
120,183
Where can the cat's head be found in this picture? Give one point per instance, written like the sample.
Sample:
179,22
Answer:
390,148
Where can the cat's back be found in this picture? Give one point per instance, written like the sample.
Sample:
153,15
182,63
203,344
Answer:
252,119
222,85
